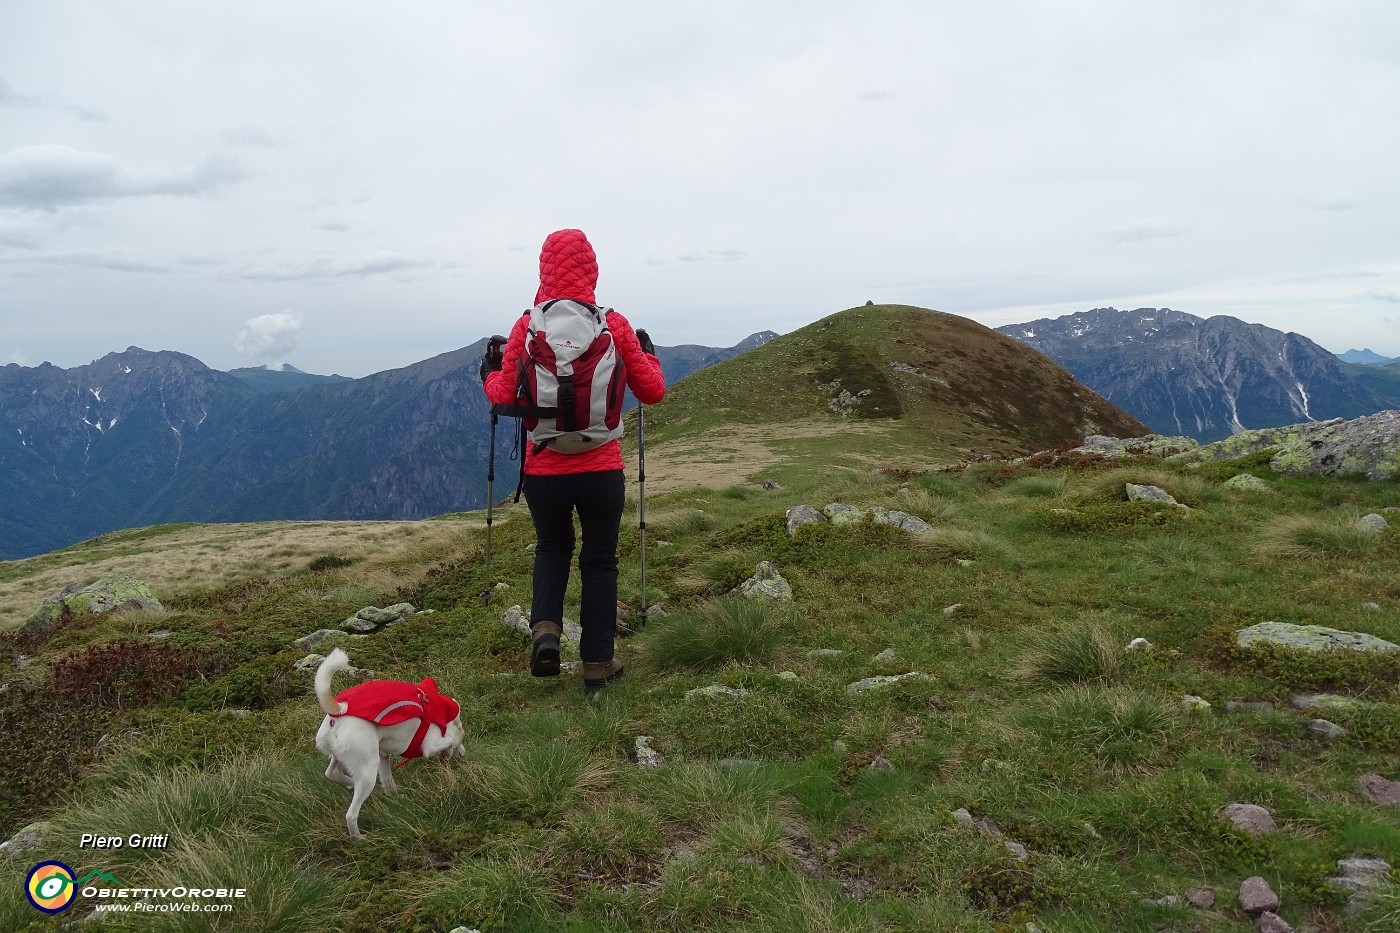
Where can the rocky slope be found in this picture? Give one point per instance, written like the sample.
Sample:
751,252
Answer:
1209,378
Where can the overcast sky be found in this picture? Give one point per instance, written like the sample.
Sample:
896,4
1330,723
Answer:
355,186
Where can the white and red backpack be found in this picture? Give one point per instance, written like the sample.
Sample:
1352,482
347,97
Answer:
572,381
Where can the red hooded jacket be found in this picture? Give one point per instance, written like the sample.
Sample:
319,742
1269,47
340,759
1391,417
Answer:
568,269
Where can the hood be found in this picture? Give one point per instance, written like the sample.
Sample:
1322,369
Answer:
568,268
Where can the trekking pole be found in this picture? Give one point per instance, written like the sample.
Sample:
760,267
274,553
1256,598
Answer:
490,484
642,503
490,504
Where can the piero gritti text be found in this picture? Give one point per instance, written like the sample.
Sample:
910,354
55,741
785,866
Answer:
134,841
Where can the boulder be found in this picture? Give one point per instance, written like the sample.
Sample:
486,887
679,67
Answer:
1310,638
766,583
800,515
1250,819
910,523
29,839
327,637
1379,790
1201,898
116,592
1256,896
1154,445
1139,493
1360,879
841,514
1375,522
1325,729
1323,701
1248,482
1368,446
1270,922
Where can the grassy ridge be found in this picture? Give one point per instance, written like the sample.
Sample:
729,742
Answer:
798,806
936,381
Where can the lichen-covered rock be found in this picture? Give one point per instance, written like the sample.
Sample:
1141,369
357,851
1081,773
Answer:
1150,445
1248,482
1325,729
800,515
1323,701
116,592
881,680
308,664
386,616
766,583
1142,493
29,839
327,637
717,691
1310,638
514,618
357,626
1368,445
910,523
841,514
1194,704
647,756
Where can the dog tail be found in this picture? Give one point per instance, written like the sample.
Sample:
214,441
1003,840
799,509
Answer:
338,661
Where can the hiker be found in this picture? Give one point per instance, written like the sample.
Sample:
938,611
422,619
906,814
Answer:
557,483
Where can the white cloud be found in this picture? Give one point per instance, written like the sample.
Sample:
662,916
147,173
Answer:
1147,230
18,357
49,176
269,338
9,97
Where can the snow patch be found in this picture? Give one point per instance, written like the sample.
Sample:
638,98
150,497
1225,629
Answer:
96,393
1304,393
111,424
1028,334
126,369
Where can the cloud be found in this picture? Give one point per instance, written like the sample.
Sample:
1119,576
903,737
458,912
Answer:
1146,230
269,338
334,226
724,255
47,177
18,357
1392,297
324,268
111,262
1340,204
876,96
16,236
9,97
253,137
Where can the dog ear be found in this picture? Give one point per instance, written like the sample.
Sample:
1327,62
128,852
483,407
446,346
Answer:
429,685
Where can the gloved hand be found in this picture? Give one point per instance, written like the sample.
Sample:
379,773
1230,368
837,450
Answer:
644,339
491,360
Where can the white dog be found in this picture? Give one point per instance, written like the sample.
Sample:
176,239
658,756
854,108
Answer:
367,723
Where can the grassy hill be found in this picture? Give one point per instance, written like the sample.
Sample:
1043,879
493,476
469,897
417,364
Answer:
798,805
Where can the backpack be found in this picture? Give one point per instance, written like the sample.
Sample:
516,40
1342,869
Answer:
571,381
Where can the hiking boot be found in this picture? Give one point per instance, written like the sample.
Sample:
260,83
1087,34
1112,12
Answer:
597,673
544,650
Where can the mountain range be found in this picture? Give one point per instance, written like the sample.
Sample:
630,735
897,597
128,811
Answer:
141,437
1205,377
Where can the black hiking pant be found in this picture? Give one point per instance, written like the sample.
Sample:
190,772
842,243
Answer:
598,499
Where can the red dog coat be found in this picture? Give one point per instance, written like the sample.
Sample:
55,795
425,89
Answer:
390,702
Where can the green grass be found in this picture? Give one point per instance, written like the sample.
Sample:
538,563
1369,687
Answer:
798,805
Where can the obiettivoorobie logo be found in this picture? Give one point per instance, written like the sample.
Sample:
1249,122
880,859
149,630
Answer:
52,888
